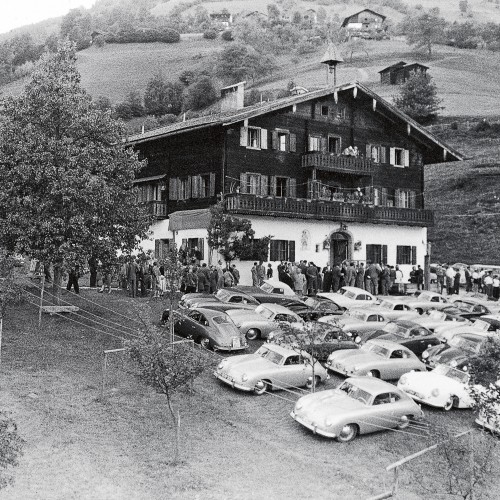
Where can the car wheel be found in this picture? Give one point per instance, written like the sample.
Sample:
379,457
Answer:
309,382
205,343
405,422
253,334
261,387
348,433
449,404
373,373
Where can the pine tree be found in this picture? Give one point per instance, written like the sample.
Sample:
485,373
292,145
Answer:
418,98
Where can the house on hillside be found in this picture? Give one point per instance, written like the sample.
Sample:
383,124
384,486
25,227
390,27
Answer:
331,174
310,16
223,18
363,21
400,72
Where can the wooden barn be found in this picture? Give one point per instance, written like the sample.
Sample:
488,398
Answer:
398,73
364,20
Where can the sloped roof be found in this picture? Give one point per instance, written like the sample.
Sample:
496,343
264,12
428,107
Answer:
235,116
399,64
345,22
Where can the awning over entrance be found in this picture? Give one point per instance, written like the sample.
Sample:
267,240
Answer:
141,180
189,219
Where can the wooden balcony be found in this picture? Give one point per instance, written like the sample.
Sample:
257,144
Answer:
157,208
300,208
343,164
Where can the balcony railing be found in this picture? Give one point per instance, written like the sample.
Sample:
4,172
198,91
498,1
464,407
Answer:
327,210
333,163
157,208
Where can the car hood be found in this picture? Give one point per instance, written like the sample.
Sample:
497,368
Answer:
394,338
327,403
445,356
354,357
226,331
249,364
424,382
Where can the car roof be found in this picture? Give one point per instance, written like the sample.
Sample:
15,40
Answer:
277,308
209,313
355,289
407,323
388,344
471,336
285,351
372,384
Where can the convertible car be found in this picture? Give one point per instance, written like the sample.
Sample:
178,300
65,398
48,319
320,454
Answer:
444,387
377,358
271,367
360,405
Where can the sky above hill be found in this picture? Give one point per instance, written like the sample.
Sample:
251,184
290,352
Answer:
16,13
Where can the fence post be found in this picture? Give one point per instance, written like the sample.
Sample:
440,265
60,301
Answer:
103,378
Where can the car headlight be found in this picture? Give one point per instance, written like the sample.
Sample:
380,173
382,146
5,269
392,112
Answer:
425,354
270,336
244,377
454,364
435,392
329,422
355,368
403,380
222,364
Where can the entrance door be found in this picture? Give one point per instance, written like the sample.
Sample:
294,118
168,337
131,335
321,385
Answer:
339,248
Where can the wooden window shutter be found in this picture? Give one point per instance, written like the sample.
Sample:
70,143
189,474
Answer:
413,256
324,145
158,249
293,143
274,137
264,185
243,183
263,138
292,188
399,255
291,251
188,188
272,190
384,254
201,247
406,154
274,250
383,197
172,188
244,136
211,188
392,156
195,186
412,199
383,154
369,152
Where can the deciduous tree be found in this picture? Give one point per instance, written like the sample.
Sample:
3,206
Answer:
201,93
425,30
162,97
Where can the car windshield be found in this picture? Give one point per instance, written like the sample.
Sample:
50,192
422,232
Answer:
223,295
264,311
479,324
221,320
355,392
465,344
270,355
453,373
396,329
424,297
268,288
436,315
464,306
358,315
376,349
349,294
385,304
312,302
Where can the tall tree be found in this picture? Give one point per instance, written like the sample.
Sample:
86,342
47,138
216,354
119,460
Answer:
65,173
425,30
418,98
201,93
162,97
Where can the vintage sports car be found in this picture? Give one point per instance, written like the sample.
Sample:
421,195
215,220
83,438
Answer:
377,358
318,339
211,329
433,319
394,309
350,296
357,321
312,309
444,387
427,300
457,352
463,309
271,367
359,405
406,333
262,321
224,295
485,324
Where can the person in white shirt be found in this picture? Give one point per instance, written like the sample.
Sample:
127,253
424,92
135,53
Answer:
488,285
450,277
399,280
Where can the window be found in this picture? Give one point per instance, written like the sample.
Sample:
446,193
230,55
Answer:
404,198
184,193
334,144
282,141
399,157
192,248
314,143
281,187
253,137
406,255
324,110
376,253
282,250
196,186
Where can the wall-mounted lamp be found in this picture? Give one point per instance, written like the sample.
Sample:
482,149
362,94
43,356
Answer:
343,227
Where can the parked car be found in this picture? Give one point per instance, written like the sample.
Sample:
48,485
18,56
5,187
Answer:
357,321
262,321
318,339
444,387
359,405
485,325
268,293
466,310
211,329
406,333
433,319
457,352
492,307
312,309
271,367
394,309
427,300
350,296
377,358
190,299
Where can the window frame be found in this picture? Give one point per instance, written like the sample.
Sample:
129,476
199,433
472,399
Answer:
258,133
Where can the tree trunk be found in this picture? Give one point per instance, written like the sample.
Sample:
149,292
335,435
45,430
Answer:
177,423
93,272
57,284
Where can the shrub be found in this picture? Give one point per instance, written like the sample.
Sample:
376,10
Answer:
167,119
210,34
227,36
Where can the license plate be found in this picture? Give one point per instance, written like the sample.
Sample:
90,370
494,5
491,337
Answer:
236,342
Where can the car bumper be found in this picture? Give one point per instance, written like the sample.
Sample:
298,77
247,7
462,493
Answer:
334,367
421,398
311,426
230,381
230,348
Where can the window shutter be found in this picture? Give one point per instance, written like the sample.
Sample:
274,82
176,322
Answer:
195,188
384,254
399,257
398,198
172,188
369,152
413,256
243,183
272,190
188,188
293,143
392,157
383,200
158,249
263,138
412,199
211,188
383,154
292,188
274,250
291,251
274,136
264,187
406,154
244,136
324,145
201,247
310,144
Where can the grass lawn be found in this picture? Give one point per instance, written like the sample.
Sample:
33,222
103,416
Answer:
235,445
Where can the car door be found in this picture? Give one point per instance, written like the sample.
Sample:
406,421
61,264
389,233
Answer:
417,341
381,415
184,324
293,371
395,366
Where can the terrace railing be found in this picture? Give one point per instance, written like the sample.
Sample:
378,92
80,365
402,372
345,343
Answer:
341,163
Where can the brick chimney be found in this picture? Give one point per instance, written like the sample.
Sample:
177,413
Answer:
232,97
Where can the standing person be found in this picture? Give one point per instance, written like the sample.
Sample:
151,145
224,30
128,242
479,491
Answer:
253,271
261,273
236,274
386,279
419,276
496,287
155,279
476,281
327,278
456,283
214,278
269,272
373,273
132,277
220,274
206,271
488,284
201,279
312,279
352,281
360,276
468,280
74,274
347,274
299,281
399,280
191,281
336,275
450,277
228,278
440,278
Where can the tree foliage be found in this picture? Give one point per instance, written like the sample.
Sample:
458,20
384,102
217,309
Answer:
65,173
162,97
425,30
418,98
11,448
10,291
76,26
201,93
